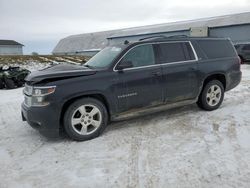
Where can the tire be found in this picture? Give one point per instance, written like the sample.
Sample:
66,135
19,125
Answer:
9,83
211,96
1,84
85,119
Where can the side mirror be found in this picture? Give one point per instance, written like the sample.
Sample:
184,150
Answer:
124,65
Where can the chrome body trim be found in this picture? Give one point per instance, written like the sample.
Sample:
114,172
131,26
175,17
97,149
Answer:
177,62
151,109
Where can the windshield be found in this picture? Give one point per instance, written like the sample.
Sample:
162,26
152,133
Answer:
104,58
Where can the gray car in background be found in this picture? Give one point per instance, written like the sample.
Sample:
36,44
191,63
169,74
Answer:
243,51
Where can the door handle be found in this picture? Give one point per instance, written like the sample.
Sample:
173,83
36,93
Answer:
192,69
114,80
156,73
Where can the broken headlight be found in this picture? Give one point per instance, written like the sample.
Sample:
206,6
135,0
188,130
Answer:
36,96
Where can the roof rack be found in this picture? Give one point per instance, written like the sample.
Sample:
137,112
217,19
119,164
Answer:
180,36
163,36
152,37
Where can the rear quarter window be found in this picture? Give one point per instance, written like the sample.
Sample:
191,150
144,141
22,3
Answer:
217,48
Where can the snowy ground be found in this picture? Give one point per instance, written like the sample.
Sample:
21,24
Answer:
184,147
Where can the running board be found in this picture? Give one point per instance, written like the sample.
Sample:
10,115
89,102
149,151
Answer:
150,110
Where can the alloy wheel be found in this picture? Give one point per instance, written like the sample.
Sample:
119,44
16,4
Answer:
213,95
86,119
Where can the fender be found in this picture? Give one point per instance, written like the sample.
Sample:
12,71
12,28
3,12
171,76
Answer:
215,75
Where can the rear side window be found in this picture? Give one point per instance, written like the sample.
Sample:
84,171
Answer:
217,48
175,52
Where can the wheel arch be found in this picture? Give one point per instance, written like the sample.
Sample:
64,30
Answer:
216,76
97,96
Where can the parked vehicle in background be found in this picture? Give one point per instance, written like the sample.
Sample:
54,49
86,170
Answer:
12,77
243,51
130,79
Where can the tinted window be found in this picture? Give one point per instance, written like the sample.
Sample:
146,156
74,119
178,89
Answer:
175,51
246,47
217,48
140,56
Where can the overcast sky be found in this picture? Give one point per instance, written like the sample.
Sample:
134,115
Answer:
40,24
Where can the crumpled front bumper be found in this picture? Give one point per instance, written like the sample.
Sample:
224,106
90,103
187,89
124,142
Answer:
45,119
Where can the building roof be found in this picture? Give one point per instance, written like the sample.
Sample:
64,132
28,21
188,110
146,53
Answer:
99,40
10,42
218,21
83,42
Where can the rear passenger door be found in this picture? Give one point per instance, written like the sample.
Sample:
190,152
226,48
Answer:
180,74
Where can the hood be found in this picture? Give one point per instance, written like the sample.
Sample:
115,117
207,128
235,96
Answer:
57,72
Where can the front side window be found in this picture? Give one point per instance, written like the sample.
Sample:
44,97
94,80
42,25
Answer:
140,56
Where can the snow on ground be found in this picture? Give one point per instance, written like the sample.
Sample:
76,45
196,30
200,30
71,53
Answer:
184,147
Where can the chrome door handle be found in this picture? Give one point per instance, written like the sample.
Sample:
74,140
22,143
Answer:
156,73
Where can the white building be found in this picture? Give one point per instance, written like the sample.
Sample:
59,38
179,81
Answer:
235,26
10,47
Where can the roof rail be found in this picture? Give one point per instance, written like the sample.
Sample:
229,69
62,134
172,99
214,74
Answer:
163,36
152,37
173,36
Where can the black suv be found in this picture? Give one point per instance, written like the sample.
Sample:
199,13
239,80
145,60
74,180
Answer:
243,51
127,80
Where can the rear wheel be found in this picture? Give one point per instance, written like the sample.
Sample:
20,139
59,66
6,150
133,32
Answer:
85,119
211,96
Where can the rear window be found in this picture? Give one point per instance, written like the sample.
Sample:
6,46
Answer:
175,52
217,48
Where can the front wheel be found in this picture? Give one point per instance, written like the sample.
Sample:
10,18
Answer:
85,119
211,96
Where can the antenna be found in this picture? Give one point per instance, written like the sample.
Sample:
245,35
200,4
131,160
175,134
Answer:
126,42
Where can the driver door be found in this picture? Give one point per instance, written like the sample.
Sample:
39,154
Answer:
141,83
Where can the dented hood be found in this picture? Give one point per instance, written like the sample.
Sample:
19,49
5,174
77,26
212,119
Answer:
59,72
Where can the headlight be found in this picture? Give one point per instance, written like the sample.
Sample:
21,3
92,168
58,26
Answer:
36,96
42,91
